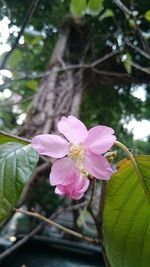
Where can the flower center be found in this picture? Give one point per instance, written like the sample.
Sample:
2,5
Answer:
76,152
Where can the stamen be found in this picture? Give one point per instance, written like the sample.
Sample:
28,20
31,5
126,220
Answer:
76,151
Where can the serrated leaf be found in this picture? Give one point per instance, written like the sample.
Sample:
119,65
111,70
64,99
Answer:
32,84
126,218
17,162
106,14
5,138
94,7
147,15
127,63
78,8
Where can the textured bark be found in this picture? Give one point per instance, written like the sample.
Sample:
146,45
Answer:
59,93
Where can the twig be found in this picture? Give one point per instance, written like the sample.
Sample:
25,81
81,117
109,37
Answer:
15,137
21,242
129,13
52,223
89,206
33,232
139,67
138,49
123,7
109,73
26,20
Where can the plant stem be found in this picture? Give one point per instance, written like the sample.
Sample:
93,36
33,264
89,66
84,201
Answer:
15,137
129,154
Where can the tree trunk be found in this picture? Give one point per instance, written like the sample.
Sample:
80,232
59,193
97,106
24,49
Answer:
59,93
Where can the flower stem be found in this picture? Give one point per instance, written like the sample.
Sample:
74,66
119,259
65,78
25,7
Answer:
129,154
126,150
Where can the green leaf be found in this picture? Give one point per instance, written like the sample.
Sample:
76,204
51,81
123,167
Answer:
32,39
17,163
15,58
5,138
147,15
106,14
127,63
32,84
132,23
78,8
94,7
126,217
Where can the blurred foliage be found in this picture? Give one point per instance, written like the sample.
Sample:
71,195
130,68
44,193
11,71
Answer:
109,29
46,199
108,26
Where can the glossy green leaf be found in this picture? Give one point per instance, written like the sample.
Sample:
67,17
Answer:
147,15
126,218
78,8
17,162
94,7
5,138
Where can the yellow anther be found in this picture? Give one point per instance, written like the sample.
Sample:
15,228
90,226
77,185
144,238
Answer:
76,151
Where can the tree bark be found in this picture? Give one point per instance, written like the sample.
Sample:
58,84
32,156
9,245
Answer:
59,94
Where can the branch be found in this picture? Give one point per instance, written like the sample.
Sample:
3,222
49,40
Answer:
26,20
123,7
60,227
37,229
129,13
65,68
139,67
110,73
138,49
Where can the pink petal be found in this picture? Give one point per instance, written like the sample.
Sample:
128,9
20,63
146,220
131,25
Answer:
100,139
97,166
50,145
73,129
75,190
63,172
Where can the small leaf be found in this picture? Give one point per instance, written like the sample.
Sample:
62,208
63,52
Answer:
94,7
32,39
17,163
147,15
32,84
15,58
78,8
106,14
127,63
132,23
126,217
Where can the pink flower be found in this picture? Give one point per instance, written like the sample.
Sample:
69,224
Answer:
80,154
16,98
